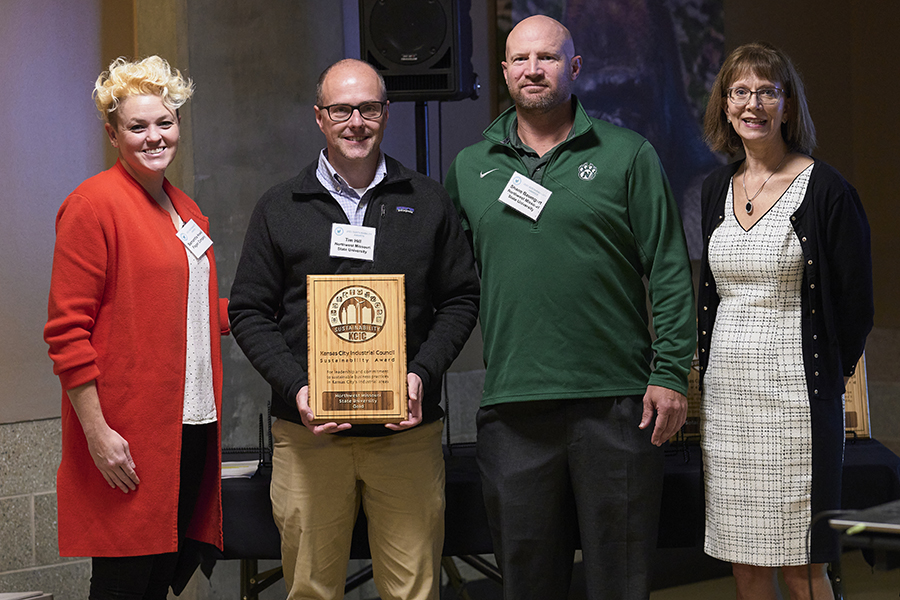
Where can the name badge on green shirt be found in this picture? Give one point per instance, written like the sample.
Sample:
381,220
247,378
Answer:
525,196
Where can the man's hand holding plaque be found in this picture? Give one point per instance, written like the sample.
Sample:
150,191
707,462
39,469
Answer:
414,385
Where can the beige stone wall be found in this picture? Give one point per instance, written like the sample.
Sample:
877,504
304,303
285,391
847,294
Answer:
29,554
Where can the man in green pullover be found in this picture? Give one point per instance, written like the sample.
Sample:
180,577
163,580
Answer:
569,216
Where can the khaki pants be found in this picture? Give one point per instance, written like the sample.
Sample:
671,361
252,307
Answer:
318,484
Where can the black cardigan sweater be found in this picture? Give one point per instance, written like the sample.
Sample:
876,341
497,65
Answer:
837,301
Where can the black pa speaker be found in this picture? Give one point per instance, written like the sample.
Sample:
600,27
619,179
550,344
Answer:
422,48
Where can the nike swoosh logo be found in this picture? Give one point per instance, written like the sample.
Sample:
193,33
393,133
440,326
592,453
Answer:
485,173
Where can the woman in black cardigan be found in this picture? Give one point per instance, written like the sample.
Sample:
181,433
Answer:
785,305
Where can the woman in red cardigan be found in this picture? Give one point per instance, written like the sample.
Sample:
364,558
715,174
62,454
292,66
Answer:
133,328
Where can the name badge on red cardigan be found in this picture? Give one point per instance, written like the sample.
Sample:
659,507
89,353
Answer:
194,238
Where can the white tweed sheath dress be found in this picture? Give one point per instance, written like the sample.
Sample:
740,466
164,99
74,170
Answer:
756,431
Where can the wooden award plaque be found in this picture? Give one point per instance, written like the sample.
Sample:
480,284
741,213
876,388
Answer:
856,403
357,348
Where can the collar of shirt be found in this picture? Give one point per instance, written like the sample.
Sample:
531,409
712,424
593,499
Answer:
516,142
533,162
349,199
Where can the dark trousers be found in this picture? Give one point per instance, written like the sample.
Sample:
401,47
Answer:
556,471
149,577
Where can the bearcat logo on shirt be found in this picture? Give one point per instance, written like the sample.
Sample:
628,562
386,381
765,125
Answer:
587,171
356,314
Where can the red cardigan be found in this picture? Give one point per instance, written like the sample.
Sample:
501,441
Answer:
117,315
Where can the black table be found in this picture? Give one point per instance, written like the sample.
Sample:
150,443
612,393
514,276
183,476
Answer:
871,476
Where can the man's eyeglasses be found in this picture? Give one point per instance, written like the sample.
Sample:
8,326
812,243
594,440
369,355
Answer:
740,96
342,112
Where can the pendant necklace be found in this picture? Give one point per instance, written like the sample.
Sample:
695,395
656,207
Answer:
749,205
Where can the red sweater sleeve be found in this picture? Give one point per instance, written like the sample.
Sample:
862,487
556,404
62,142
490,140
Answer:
76,291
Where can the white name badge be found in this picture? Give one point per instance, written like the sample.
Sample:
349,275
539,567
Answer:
194,238
525,196
351,241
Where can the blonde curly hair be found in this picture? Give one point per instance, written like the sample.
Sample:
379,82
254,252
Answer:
150,76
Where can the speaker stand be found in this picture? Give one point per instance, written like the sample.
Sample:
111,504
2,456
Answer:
422,162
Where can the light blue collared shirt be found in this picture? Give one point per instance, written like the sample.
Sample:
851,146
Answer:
349,198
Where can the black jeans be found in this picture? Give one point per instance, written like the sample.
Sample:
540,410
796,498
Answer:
149,577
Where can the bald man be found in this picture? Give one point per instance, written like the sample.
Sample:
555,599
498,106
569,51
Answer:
568,215
322,473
